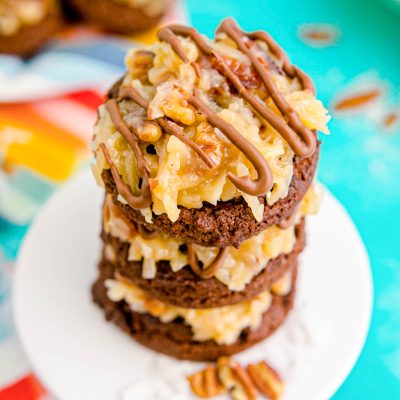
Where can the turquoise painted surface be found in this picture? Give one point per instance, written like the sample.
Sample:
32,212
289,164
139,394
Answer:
360,163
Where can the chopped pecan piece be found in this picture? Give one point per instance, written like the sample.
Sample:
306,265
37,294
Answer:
175,106
150,132
139,62
357,100
391,119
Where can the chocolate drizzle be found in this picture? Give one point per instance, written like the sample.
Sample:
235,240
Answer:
290,70
301,139
212,269
127,134
142,201
264,181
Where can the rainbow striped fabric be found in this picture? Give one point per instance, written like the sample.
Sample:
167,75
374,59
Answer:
41,146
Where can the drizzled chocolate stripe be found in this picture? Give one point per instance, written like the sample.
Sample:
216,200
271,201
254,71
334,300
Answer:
128,92
264,181
126,133
212,269
290,70
144,199
301,139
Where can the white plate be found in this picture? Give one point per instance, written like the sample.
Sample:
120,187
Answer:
80,356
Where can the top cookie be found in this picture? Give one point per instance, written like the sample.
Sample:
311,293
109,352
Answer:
196,122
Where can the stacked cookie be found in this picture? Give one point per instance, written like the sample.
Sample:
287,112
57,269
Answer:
120,16
26,25
207,151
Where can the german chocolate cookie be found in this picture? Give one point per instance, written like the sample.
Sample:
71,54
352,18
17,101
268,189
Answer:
185,289
120,16
209,141
227,223
175,338
28,39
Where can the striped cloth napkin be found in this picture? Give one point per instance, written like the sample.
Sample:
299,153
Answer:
47,112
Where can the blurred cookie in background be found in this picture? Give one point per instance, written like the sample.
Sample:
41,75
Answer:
26,25
120,16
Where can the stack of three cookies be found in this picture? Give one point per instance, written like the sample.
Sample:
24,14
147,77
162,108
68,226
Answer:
207,152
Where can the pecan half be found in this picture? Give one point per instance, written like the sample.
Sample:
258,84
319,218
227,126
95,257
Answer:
235,380
205,383
266,379
357,100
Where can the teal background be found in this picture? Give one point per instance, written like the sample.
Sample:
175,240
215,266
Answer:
360,164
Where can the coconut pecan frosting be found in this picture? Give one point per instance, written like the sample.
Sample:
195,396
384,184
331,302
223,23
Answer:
197,120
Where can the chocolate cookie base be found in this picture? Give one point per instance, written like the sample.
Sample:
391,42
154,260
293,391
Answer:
113,17
29,40
185,289
228,223
175,338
